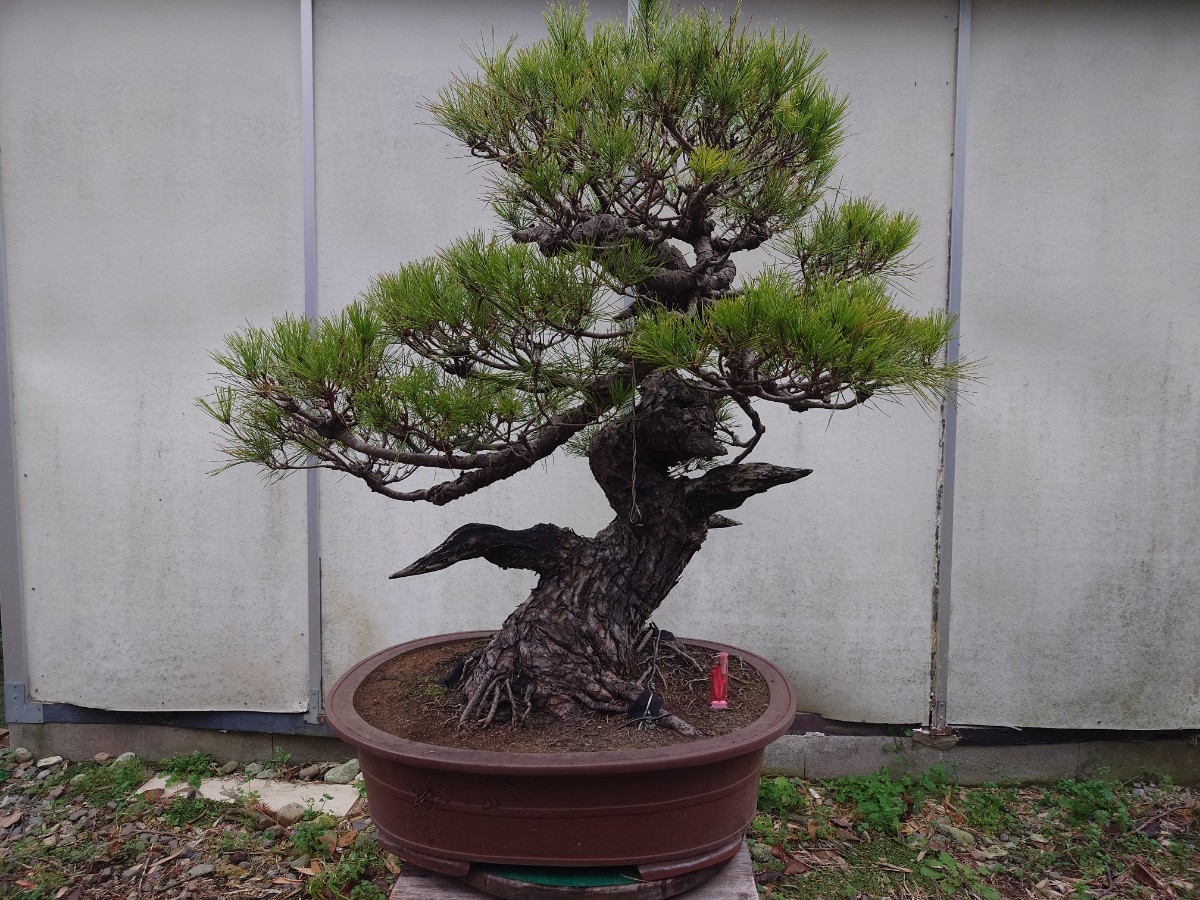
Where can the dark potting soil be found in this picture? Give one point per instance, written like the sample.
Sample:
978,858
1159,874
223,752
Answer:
403,697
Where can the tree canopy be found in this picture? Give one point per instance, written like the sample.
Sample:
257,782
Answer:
630,163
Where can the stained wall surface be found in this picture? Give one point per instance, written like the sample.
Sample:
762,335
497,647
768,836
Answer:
149,168
1077,526
389,191
151,186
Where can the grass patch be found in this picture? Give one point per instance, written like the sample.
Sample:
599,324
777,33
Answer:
883,836
182,811
187,769
115,781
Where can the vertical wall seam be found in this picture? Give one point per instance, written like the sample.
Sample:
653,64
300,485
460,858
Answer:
312,484
12,586
945,526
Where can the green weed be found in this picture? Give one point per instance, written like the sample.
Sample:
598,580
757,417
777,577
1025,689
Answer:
988,809
192,811
188,769
114,781
315,836
878,800
780,796
353,870
881,801
953,876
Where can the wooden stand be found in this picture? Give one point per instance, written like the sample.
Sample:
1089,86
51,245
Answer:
735,881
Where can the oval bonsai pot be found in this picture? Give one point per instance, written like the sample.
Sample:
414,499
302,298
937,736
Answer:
668,810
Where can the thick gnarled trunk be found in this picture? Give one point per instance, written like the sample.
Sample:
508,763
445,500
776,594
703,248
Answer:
567,648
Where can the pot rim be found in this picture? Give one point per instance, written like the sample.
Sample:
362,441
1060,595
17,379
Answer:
344,721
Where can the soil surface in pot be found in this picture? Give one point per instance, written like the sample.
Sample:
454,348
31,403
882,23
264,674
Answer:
403,697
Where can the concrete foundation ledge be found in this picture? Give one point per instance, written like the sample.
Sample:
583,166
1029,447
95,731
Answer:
82,742
813,755
816,756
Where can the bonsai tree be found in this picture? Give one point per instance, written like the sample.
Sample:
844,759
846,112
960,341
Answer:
631,165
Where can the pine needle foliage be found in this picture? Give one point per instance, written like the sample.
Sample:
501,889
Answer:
630,163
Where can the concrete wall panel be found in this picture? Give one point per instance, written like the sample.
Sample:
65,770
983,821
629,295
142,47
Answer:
832,577
392,188
1077,552
151,190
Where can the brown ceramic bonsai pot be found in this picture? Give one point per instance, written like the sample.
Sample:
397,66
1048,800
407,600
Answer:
668,811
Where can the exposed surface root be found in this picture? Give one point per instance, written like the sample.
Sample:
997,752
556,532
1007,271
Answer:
491,684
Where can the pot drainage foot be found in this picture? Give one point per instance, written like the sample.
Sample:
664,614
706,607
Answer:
553,883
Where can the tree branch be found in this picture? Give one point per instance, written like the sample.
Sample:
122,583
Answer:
537,548
728,487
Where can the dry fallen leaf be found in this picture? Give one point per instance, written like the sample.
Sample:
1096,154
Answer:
286,881
793,866
884,864
1143,875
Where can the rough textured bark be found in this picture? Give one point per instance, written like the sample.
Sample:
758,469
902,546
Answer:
567,648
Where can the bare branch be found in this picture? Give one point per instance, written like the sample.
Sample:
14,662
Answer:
535,548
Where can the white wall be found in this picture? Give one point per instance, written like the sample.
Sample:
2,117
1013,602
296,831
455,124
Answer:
1077,528
150,181
150,175
389,192
392,188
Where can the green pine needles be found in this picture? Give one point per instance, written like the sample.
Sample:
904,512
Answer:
631,163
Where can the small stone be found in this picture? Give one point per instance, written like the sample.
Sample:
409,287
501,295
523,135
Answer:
230,767
958,835
1138,792
290,814
21,755
308,773
131,872
77,814
202,869
343,774
300,862
102,757
49,761
75,779
253,769
43,774
760,853
267,774
125,757
50,841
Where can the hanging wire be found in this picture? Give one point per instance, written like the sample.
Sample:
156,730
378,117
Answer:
635,513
